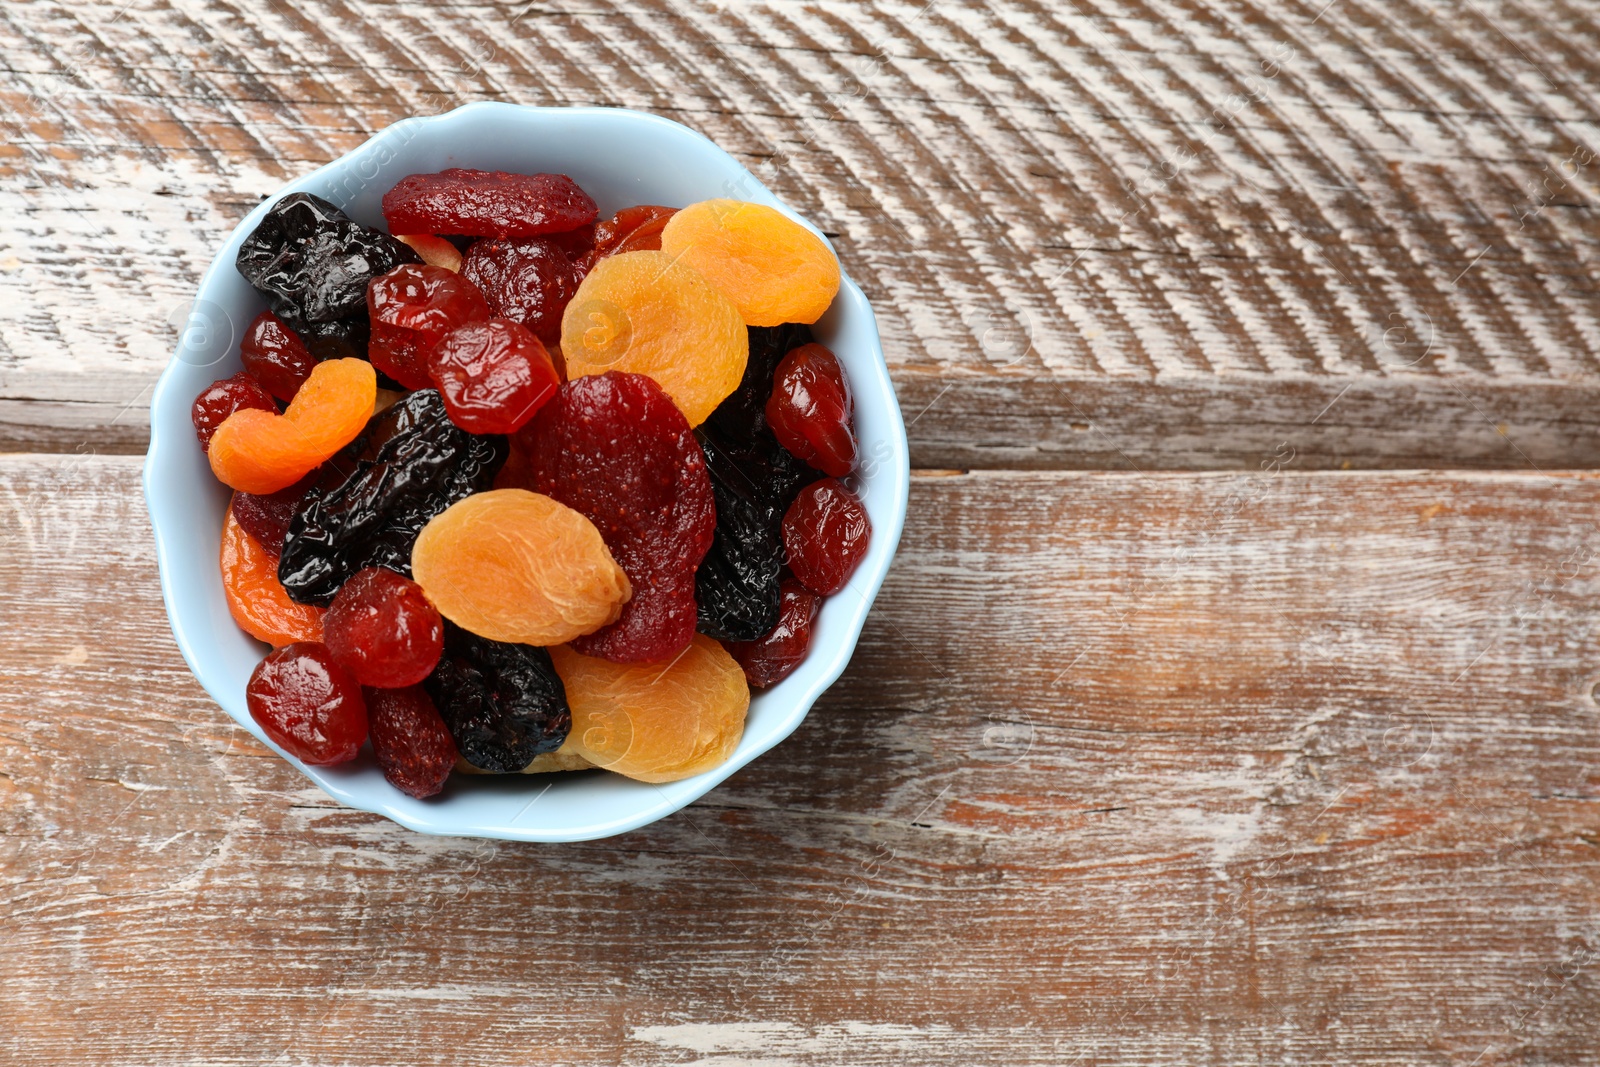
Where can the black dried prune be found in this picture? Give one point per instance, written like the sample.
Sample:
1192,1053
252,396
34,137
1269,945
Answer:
503,703
314,262
410,463
754,480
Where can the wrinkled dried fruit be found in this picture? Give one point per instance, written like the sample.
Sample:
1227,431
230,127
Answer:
412,308
261,452
409,464
274,355
511,565
774,656
811,410
314,262
307,704
615,448
222,398
435,251
503,702
528,280
633,229
256,599
771,267
825,536
266,517
653,722
487,203
743,415
644,313
410,740
494,376
383,630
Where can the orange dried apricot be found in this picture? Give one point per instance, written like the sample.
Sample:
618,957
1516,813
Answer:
771,267
655,722
261,451
256,599
644,313
511,565
434,251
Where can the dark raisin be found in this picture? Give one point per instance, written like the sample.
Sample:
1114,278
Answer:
409,464
504,703
314,262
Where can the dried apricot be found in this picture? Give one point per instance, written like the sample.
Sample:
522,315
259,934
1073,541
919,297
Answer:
262,452
771,267
656,723
645,313
435,251
511,565
256,599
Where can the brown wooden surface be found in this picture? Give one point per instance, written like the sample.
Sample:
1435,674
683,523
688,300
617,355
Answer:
1189,729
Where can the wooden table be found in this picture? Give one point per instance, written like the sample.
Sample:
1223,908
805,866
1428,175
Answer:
1232,698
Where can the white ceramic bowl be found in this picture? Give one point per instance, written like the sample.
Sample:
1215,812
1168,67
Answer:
620,158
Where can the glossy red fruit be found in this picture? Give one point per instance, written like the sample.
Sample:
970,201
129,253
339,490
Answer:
633,229
616,449
771,658
412,743
494,376
222,398
266,517
382,629
811,410
308,705
487,203
275,356
825,535
528,280
412,307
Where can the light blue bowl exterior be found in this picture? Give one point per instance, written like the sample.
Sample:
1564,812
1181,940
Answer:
620,157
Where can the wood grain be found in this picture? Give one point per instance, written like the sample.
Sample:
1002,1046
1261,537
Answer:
1280,767
1153,235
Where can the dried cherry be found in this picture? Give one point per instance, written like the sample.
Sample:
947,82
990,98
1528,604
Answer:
494,375
528,280
274,355
266,517
308,705
633,229
771,658
504,703
810,410
487,203
382,629
825,535
222,398
412,307
410,740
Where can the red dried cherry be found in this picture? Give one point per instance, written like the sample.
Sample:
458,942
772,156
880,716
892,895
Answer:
771,658
412,307
825,534
487,203
528,280
308,705
222,398
810,410
412,743
633,229
266,517
494,376
275,356
383,630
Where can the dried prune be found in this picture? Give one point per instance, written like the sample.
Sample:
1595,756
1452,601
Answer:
825,536
528,280
266,517
615,448
504,703
409,464
811,409
222,398
308,704
411,742
314,262
274,355
487,203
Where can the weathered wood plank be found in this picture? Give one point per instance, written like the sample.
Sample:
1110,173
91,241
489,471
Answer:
1205,217
1141,769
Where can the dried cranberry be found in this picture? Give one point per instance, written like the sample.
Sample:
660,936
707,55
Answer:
616,449
825,534
222,398
487,203
810,410
633,229
308,705
383,630
529,281
266,518
412,307
411,741
494,376
274,355
771,658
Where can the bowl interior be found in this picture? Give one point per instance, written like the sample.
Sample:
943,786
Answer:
620,158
